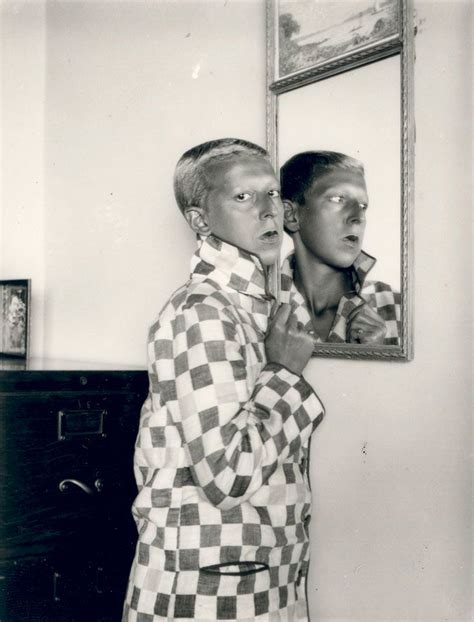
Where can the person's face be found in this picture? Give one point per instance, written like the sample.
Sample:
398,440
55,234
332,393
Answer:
243,206
332,221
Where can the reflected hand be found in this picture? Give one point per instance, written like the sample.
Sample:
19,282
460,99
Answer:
287,342
365,326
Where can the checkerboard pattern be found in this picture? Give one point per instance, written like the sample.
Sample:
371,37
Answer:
264,596
221,456
379,296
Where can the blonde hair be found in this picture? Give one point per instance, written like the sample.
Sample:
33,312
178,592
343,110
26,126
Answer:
191,183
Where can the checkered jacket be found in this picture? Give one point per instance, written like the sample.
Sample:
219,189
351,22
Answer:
379,296
221,452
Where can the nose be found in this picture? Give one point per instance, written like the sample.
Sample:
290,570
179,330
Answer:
270,207
356,213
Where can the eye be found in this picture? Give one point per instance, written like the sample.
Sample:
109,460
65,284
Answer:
242,196
274,194
336,198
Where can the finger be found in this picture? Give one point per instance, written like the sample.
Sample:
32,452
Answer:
292,323
367,323
355,312
370,314
353,337
367,334
374,337
358,333
281,315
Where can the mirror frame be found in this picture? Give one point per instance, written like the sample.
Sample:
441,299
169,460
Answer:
402,45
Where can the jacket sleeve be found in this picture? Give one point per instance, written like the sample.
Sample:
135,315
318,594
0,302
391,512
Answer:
235,430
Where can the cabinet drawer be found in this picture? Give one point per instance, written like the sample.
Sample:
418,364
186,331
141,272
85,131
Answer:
62,589
66,465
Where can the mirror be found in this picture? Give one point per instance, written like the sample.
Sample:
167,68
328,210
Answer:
340,80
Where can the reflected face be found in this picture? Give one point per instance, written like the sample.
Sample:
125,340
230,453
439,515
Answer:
332,220
244,207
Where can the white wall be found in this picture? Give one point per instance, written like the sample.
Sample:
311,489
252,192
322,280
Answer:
117,92
22,82
123,97
391,466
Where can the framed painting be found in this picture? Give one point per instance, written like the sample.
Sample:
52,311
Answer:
14,317
316,38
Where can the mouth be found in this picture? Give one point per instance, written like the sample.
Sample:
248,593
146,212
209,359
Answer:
351,239
270,237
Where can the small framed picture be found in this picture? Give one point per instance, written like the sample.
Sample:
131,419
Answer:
14,317
312,39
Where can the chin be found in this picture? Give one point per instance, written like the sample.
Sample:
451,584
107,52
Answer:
342,263
268,259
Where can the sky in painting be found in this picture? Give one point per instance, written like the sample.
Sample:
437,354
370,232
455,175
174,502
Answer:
318,15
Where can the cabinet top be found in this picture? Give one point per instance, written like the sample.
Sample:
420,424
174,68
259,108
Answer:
62,375
8,363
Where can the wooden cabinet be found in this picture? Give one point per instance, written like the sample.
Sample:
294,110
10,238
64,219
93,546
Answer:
67,536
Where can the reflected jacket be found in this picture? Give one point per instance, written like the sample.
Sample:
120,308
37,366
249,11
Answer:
221,452
378,295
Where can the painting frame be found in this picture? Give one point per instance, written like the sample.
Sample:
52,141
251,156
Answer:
284,78
405,49
15,305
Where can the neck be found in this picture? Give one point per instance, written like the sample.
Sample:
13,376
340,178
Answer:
321,285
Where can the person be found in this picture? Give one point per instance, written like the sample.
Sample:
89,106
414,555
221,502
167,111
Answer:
221,456
325,201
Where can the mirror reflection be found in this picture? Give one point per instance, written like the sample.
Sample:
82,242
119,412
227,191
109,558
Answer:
341,186
326,207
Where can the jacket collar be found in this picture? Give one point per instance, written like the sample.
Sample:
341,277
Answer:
361,268
229,266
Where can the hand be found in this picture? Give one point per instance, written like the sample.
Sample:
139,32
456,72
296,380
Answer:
287,343
364,325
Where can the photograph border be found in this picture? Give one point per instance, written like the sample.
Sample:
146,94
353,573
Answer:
371,52
26,283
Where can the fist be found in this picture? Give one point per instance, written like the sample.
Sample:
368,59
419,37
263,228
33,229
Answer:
287,342
364,325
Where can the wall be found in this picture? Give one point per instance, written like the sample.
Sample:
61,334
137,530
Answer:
391,466
22,83
98,112
118,91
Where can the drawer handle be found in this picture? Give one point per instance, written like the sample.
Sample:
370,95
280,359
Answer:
65,484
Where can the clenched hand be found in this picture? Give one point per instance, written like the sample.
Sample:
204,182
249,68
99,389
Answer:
287,342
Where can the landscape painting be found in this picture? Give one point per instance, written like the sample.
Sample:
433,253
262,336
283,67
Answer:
312,33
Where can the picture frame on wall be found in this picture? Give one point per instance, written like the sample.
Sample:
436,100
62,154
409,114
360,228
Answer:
14,317
313,39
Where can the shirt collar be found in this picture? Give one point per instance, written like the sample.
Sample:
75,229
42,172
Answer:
361,268
229,266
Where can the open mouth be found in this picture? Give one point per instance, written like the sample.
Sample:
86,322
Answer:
271,236
351,239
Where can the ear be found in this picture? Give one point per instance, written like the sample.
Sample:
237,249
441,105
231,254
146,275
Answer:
196,217
290,216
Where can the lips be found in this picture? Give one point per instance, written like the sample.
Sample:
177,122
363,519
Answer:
271,236
351,240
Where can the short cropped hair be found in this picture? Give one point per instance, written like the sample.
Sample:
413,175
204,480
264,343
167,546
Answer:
299,173
191,183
